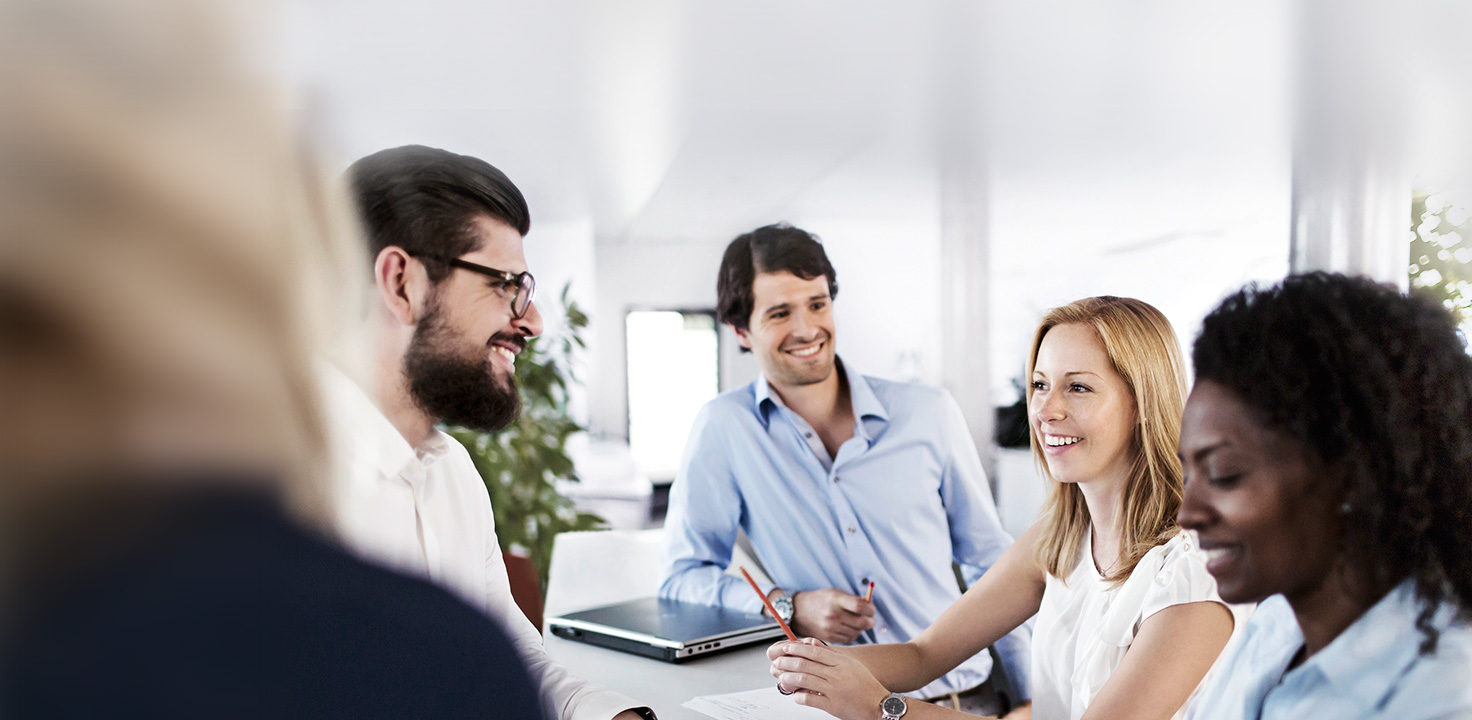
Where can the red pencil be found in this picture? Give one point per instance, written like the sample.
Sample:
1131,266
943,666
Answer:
768,603
870,596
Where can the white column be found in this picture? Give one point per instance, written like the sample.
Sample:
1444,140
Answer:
964,298
965,222
1351,214
1351,180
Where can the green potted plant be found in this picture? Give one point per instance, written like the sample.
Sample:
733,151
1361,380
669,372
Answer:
521,464
1441,253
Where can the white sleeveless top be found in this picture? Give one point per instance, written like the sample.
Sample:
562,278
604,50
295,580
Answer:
1085,626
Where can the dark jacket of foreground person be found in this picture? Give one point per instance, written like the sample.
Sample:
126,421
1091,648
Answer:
213,604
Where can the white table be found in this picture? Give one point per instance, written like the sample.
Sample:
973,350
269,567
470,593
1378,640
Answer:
663,686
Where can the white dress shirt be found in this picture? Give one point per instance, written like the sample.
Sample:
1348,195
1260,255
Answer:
424,511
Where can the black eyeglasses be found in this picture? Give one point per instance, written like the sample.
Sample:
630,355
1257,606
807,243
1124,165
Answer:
525,285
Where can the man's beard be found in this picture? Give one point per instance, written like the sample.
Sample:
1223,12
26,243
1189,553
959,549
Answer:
456,389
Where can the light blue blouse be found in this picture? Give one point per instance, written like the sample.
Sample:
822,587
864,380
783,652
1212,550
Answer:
1372,670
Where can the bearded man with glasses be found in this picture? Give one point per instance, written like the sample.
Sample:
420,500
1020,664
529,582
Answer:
455,307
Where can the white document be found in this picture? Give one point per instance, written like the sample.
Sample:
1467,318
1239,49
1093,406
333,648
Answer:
763,704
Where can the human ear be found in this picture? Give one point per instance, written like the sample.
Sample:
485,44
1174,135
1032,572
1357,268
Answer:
400,284
742,335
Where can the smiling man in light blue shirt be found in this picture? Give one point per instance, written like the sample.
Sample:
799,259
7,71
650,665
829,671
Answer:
837,478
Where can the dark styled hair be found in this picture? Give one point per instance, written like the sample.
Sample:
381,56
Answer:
767,249
426,200
1378,383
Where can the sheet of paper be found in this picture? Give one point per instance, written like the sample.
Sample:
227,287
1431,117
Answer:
763,704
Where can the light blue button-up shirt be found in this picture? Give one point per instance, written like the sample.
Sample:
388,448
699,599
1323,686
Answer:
1372,670
904,497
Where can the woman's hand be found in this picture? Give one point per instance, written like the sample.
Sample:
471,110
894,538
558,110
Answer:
826,679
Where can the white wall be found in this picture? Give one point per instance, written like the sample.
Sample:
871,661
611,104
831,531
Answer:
1145,152
558,253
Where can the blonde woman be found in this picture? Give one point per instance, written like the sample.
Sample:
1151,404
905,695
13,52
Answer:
168,269
1128,619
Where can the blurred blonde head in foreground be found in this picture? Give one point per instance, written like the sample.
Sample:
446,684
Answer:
170,263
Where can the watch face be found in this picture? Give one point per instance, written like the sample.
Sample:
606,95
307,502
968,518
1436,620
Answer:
893,705
783,606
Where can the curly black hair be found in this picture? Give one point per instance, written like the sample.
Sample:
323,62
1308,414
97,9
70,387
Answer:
1380,383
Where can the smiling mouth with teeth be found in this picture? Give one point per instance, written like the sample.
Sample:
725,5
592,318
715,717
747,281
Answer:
1060,441
807,352
1217,552
505,353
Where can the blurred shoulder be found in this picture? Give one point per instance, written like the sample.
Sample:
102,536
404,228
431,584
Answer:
1437,685
232,599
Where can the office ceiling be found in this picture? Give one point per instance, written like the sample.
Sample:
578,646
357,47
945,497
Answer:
665,121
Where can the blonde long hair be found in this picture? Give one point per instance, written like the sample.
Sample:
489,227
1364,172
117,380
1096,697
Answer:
1143,349
171,261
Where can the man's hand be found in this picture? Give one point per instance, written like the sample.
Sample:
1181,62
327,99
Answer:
831,615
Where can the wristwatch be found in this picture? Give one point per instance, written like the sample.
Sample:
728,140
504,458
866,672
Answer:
783,605
892,707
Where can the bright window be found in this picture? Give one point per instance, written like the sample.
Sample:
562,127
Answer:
674,369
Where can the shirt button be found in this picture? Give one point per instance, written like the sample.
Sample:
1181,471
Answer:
850,528
808,435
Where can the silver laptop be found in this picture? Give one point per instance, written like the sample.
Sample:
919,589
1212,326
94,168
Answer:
668,630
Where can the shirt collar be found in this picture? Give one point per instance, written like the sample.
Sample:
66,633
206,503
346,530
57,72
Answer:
1369,657
369,431
1278,635
872,414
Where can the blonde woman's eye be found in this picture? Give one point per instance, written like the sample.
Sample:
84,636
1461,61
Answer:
1038,385
1080,388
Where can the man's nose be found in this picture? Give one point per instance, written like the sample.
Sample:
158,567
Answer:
803,326
530,324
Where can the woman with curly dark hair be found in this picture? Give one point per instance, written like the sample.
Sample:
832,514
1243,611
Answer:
1327,449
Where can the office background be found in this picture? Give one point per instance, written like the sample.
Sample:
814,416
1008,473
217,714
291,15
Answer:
967,164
